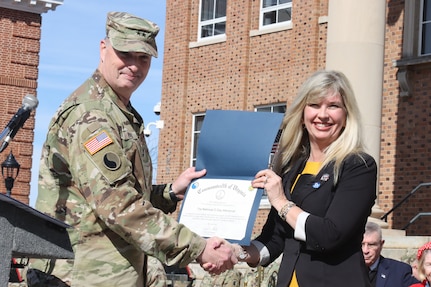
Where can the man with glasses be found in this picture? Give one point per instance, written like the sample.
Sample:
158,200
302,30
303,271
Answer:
384,272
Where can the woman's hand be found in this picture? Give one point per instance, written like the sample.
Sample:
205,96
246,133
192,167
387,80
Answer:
273,186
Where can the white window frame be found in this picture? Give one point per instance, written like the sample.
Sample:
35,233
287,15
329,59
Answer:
210,22
195,136
421,24
271,9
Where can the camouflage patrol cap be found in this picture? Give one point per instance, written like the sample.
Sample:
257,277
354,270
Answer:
129,33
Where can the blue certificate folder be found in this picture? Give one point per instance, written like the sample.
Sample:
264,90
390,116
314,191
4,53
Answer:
233,146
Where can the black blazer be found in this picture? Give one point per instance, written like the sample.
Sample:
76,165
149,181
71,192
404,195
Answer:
332,254
393,273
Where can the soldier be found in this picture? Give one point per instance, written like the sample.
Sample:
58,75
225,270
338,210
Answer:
95,175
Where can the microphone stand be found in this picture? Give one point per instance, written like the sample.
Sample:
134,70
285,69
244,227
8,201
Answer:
7,134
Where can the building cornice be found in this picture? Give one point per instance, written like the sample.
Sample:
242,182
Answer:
32,6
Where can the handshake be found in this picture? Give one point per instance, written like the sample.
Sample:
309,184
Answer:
219,255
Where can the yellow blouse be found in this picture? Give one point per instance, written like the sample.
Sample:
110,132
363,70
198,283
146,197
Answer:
311,167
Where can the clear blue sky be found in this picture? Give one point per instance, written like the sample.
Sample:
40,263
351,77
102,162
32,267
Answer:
69,53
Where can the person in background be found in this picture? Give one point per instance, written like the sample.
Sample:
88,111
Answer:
96,176
229,278
321,189
424,266
414,265
383,272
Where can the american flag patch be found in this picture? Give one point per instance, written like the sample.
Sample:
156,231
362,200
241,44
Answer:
97,142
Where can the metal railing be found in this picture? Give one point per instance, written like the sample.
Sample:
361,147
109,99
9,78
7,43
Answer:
416,217
419,186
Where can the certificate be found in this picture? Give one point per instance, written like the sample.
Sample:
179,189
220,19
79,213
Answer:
233,146
225,208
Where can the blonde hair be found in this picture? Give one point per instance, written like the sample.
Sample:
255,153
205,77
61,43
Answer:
294,143
421,270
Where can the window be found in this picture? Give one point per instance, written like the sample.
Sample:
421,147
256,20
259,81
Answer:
275,12
279,108
416,49
197,126
212,18
425,25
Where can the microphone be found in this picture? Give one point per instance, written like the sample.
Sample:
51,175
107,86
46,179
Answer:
29,103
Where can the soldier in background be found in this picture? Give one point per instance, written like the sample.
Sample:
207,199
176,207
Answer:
229,278
96,176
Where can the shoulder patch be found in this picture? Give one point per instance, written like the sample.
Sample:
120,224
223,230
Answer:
97,142
111,161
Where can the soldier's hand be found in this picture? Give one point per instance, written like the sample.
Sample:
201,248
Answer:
218,256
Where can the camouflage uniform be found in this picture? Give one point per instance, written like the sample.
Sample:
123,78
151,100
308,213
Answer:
95,175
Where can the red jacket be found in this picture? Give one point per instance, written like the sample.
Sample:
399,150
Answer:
422,284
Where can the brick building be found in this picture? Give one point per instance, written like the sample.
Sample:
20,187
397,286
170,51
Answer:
253,55
20,32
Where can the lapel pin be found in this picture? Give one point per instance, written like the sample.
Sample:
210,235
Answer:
325,177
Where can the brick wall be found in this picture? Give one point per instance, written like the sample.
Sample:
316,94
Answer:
19,59
405,141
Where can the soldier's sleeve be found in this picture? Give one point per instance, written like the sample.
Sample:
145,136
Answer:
105,177
161,198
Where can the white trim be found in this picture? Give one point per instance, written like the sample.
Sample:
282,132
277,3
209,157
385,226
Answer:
194,132
272,29
421,24
208,41
32,6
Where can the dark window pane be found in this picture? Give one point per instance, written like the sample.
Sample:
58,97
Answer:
268,3
279,109
285,1
264,109
195,147
426,39
427,10
198,122
284,15
220,9
269,18
207,31
207,10
220,28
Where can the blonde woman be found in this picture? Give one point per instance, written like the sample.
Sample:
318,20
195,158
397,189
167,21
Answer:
424,266
321,188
